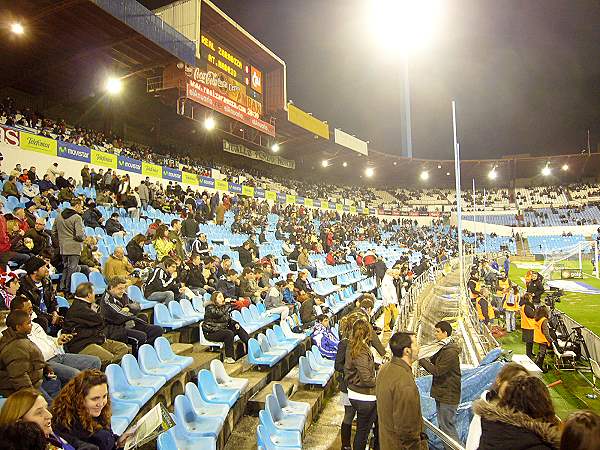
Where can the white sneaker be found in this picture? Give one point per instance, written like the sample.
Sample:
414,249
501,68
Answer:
229,361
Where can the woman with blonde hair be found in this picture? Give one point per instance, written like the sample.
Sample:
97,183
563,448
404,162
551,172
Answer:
162,244
359,372
82,412
28,405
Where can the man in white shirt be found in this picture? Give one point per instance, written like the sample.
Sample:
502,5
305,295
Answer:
65,365
389,295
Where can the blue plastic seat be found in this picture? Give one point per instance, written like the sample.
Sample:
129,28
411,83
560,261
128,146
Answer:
178,314
319,358
193,425
212,392
135,293
189,311
289,406
282,420
167,355
287,344
268,349
308,376
119,424
283,338
283,438
174,439
163,318
258,358
265,443
123,414
62,302
77,278
97,279
202,407
248,322
151,365
260,318
135,377
224,380
198,305
121,390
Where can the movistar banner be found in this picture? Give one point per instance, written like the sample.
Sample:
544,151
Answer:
129,164
75,152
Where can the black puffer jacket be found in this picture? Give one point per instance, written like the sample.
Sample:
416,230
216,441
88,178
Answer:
86,320
504,429
216,318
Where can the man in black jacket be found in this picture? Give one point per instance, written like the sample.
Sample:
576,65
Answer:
162,284
245,255
84,321
229,287
446,385
189,229
39,235
113,226
37,287
119,312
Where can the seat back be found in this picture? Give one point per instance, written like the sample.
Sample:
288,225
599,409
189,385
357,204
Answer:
261,308
187,308
271,337
273,408
304,368
254,350
263,342
77,278
198,304
147,357
312,362
317,354
279,333
254,313
279,394
131,367
62,302
166,440
207,382
135,294
161,313
176,310
163,349
97,279
285,327
193,394
116,378
218,370
267,422
184,411
247,316
237,316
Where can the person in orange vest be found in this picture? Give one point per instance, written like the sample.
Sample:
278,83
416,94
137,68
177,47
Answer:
474,285
541,335
511,306
527,323
485,310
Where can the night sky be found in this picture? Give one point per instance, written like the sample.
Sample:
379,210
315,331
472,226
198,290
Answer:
525,73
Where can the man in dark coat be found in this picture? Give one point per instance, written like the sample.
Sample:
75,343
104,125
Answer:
398,399
122,323
446,385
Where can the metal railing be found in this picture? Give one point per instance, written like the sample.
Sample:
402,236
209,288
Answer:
448,441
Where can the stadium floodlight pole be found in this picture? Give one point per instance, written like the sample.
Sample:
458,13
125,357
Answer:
405,112
597,269
474,203
461,263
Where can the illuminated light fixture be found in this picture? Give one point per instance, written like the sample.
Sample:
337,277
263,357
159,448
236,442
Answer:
17,28
210,123
406,24
345,164
324,163
447,174
565,167
113,85
492,174
546,171
369,172
439,166
395,163
275,148
424,175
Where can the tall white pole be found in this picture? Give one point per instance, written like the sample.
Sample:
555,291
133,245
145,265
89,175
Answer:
485,220
407,135
458,211
474,201
597,269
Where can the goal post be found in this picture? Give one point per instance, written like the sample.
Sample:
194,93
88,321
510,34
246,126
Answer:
574,259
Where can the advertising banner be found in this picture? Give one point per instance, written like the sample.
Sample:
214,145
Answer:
189,178
38,144
259,192
351,142
290,199
235,188
241,150
151,170
129,164
171,174
9,136
271,195
353,209
75,152
281,197
248,191
104,159
209,97
221,185
339,207
308,122
366,211
207,182
308,202
316,203
300,200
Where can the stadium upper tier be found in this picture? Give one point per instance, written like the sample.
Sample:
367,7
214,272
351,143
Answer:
399,201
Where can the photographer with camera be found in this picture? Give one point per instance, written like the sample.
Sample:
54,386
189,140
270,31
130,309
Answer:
541,335
527,323
535,287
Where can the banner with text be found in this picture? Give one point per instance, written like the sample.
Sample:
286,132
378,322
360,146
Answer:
241,150
75,152
103,159
129,164
38,144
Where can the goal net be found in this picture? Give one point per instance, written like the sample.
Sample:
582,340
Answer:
572,262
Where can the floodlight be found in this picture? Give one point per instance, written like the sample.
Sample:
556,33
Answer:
492,174
395,163
546,170
447,174
324,163
369,172
345,164
113,85
210,123
424,175
565,167
439,166
17,28
275,148
408,24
